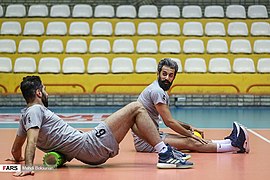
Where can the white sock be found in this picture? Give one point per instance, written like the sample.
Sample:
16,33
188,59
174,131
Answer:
226,148
224,141
161,147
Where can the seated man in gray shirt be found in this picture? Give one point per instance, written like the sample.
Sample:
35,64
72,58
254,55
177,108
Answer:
46,131
155,100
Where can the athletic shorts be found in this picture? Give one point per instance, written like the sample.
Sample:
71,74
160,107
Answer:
143,146
99,146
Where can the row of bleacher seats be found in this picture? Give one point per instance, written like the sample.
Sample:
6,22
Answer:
125,45
125,65
129,11
105,28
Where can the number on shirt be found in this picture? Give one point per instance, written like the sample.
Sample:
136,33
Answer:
100,132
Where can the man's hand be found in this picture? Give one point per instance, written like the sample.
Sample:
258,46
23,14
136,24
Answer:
203,141
199,131
13,160
24,173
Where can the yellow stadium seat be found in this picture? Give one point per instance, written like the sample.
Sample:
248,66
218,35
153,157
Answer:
193,46
11,28
193,29
126,11
98,65
147,46
217,46
147,28
257,11
236,12
60,10
148,11
15,10
192,11
29,46
5,64
125,28
7,46
195,65
170,11
169,46
170,28
104,11
263,65
214,11
243,65
219,65
49,65
240,46
52,46
122,65
146,65
100,46
38,10
25,65
33,28
123,46
56,28
82,11
73,65
76,46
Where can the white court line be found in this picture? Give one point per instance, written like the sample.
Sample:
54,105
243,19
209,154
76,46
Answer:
260,136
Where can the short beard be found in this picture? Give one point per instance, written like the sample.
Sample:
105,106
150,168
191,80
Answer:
164,86
44,100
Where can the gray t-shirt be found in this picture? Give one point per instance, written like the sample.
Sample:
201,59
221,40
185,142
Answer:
54,133
151,96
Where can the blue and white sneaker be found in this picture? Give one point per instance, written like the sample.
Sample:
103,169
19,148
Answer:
167,160
243,140
239,138
235,132
180,155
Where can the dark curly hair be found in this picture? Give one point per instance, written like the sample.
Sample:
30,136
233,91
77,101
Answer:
167,62
29,85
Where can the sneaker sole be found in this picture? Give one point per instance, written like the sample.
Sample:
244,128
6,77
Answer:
172,166
187,157
246,143
237,127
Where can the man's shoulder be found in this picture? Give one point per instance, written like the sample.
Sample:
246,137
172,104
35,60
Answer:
155,88
36,108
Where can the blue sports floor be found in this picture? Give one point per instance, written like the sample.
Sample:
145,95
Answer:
206,117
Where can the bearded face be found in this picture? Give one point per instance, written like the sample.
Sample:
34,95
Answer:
166,77
164,84
44,97
45,100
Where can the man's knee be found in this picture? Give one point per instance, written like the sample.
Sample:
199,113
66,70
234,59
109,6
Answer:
137,106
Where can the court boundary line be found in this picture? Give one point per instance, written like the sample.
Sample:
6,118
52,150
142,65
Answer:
259,136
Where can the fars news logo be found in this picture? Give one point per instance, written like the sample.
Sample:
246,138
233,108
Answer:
10,167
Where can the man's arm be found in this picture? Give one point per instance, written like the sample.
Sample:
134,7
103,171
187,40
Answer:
16,150
32,136
169,121
165,113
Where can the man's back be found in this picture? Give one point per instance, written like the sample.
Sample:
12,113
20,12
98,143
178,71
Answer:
54,133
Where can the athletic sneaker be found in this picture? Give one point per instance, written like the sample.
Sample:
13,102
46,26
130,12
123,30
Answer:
167,160
244,145
239,138
179,154
235,132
